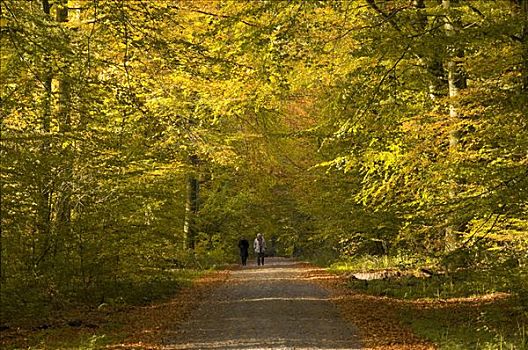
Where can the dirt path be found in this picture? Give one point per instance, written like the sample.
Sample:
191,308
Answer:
270,307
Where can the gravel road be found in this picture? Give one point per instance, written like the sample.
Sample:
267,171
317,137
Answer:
269,307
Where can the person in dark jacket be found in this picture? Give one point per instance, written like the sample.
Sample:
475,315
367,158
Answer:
243,245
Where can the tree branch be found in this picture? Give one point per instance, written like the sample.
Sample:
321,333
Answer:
388,17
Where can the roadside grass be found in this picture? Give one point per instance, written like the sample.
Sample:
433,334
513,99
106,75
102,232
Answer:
94,325
483,323
466,309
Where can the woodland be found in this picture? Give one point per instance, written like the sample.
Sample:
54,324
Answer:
140,138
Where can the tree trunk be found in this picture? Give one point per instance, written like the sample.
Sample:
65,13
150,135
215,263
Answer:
521,9
64,120
43,209
456,78
191,206
54,208
433,64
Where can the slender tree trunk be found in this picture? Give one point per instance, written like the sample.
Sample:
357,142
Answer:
64,119
522,13
43,219
455,72
456,78
450,235
191,207
54,208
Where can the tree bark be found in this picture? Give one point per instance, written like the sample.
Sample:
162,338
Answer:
455,73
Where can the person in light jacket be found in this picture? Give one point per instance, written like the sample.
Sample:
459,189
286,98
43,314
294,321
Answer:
260,248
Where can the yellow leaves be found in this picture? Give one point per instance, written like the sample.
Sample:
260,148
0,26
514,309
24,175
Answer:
495,228
224,156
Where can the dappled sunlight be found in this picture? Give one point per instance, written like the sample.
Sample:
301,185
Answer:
259,344
300,299
244,344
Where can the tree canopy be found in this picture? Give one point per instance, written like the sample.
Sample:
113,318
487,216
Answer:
139,136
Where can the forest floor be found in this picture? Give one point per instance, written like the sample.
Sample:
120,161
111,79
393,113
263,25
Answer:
282,305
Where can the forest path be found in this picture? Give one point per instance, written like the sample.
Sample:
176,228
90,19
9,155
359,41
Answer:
269,307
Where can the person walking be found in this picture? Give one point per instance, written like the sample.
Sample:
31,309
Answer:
243,245
260,248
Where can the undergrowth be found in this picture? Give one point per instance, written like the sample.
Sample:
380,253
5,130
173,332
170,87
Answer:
78,323
34,309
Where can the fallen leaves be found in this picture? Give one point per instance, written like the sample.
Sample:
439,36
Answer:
146,327
376,318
